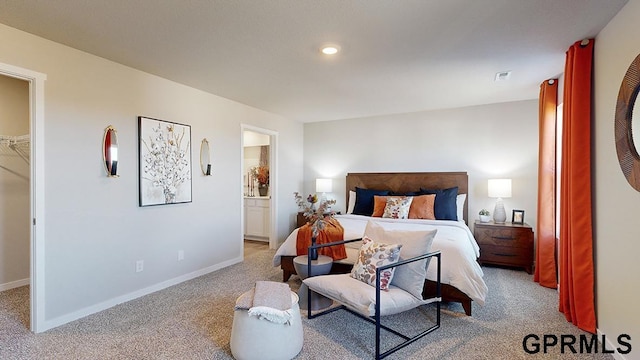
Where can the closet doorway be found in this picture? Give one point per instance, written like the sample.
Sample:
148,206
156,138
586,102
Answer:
14,183
15,190
258,185
22,160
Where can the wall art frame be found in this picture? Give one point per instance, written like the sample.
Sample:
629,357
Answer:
164,152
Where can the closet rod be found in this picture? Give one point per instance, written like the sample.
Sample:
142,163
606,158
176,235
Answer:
14,173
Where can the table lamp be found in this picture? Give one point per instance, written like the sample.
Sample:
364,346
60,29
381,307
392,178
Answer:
499,188
324,186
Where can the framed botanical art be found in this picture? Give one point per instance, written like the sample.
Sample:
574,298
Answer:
165,162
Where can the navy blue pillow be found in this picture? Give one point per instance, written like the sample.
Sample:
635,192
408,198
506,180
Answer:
364,200
410,193
445,207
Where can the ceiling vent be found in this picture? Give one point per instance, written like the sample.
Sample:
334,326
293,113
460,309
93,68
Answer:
503,76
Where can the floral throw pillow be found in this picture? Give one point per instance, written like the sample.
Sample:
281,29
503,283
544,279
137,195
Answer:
371,256
397,207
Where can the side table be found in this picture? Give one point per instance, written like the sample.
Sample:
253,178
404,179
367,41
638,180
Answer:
300,219
505,244
322,266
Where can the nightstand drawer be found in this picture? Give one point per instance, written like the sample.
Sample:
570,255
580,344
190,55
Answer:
504,237
505,255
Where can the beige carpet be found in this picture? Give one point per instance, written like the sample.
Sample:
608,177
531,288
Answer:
193,320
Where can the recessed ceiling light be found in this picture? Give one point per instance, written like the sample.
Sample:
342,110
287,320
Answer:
330,49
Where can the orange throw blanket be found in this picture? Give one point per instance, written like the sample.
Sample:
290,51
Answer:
332,231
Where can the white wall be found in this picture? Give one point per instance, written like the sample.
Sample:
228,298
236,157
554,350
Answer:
95,230
489,141
616,203
14,190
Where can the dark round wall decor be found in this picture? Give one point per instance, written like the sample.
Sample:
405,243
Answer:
624,125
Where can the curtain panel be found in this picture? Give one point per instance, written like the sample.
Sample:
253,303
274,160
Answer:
576,237
546,266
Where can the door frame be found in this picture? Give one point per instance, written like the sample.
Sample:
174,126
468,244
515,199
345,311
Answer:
36,185
273,181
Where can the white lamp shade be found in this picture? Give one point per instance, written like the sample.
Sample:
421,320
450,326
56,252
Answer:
500,188
324,185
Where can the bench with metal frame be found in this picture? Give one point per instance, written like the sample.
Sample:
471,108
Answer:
376,318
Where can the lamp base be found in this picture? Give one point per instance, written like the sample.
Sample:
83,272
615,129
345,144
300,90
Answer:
499,214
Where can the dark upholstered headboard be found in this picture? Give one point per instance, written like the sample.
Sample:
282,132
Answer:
410,181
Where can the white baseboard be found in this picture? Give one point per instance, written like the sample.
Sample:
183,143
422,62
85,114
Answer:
61,320
14,284
610,345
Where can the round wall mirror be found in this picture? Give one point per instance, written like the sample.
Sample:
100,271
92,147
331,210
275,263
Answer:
110,151
625,122
205,161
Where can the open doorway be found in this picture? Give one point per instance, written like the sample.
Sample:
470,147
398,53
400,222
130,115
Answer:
259,185
15,191
29,149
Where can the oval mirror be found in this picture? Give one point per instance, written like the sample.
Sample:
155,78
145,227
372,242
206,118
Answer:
205,162
110,151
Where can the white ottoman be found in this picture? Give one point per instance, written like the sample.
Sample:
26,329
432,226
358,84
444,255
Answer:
255,338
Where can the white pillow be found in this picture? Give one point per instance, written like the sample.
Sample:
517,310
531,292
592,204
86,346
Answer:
361,297
460,199
351,202
409,277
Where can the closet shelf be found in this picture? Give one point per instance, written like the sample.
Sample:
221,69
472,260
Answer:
16,144
12,145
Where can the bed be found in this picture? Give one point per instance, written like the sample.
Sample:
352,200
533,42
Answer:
462,276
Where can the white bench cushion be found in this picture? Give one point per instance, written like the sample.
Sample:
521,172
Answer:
361,297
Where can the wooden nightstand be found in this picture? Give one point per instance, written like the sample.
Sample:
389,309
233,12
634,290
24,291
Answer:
300,220
505,244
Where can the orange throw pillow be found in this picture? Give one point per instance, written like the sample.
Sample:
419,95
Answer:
422,207
379,203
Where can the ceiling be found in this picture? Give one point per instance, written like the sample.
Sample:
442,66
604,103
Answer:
396,56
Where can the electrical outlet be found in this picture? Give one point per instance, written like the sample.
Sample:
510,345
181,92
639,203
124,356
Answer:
139,265
180,255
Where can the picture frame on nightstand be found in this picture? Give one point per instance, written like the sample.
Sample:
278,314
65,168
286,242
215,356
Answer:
517,217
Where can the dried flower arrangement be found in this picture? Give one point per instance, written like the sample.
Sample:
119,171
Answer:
261,174
315,215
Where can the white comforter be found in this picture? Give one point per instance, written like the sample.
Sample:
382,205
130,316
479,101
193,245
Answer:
454,239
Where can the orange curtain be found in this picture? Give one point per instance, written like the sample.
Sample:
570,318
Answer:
546,268
576,242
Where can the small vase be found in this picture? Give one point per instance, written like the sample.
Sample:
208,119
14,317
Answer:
263,189
169,196
313,253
